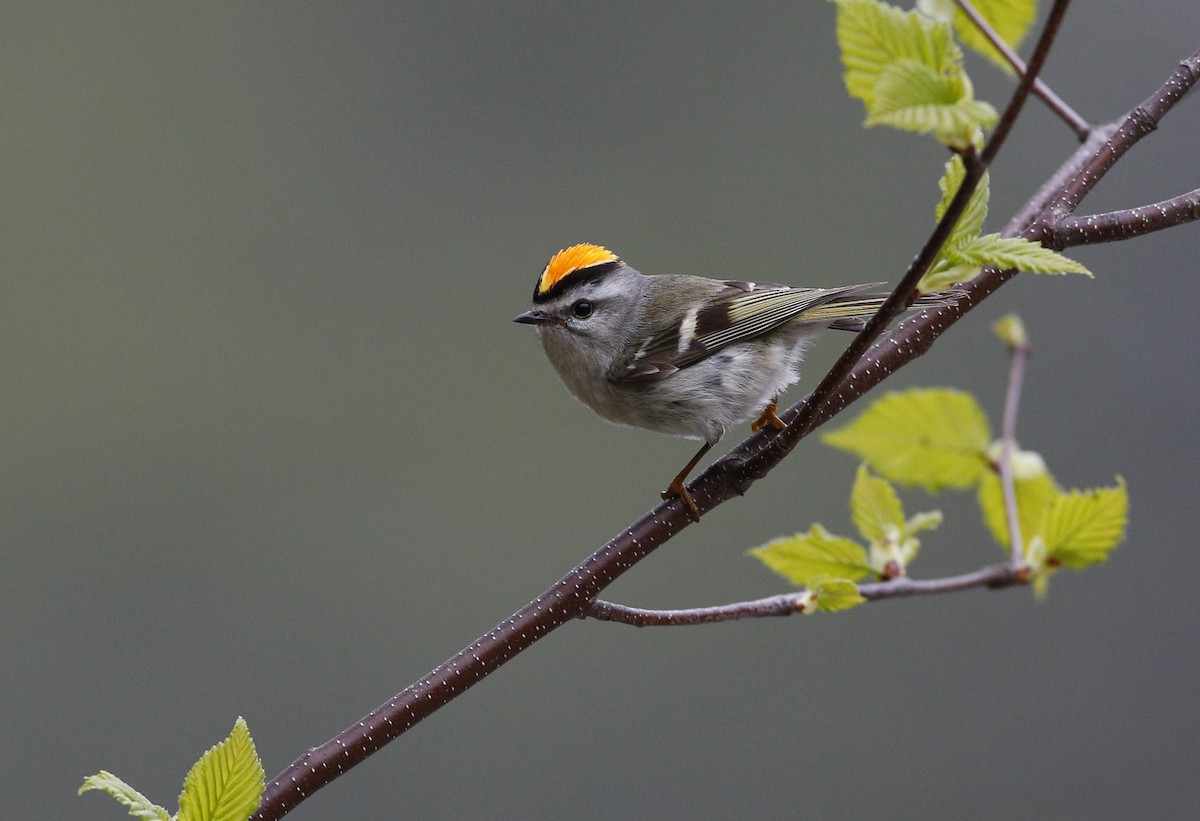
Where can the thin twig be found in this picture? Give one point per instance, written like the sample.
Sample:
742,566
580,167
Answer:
788,604
1131,222
994,577
1019,352
1041,51
785,604
1080,126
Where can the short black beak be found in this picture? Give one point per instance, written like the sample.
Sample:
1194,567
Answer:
532,318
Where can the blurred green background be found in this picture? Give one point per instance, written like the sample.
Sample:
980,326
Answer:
272,446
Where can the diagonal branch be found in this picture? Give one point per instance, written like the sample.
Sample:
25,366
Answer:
1139,122
1049,191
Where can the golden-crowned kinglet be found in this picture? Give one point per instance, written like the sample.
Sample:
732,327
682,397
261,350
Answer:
681,355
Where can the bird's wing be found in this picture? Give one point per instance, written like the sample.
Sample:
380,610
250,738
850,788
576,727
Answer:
739,312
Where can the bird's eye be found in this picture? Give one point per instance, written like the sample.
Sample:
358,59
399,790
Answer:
582,309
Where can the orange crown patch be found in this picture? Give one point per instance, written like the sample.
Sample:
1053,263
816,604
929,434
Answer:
570,260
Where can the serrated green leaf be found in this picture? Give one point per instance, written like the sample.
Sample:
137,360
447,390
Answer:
907,70
873,35
818,552
1082,527
1034,492
874,506
1015,252
139,805
943,275
928,437
226,784
970,224
835,594
913,97
966,252
948,268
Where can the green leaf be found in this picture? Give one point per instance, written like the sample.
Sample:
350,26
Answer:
907,70
1015,252
947,269
913,97
834,594
1034,491
874,506
805,556
1011,19
970,224
877,513
932,438
1082,527
965,251
873,35
139,805
226,784
943,274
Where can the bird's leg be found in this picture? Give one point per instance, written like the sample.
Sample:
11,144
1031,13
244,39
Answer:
768,417
677,490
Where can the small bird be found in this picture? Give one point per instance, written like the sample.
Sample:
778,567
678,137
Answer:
682,355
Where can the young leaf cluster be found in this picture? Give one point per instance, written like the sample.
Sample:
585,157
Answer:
968,249
226,784
939,438
828,565
907,70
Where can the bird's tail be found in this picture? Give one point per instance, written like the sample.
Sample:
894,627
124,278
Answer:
851,313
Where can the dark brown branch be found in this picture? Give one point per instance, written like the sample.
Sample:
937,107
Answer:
1139,122
727,477
788,604
1050,190
1133,222
1080,126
